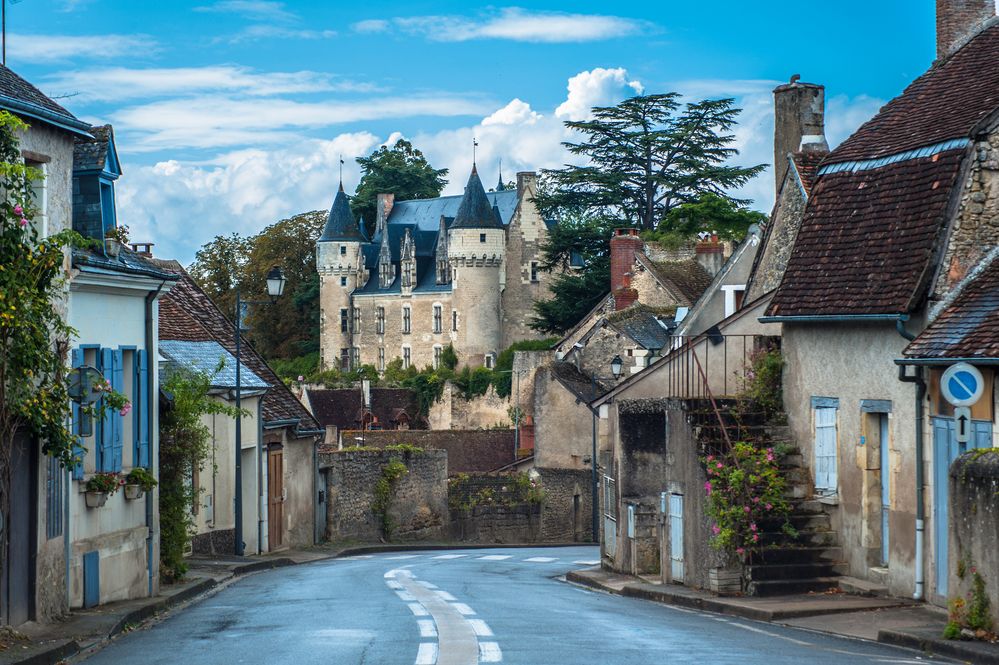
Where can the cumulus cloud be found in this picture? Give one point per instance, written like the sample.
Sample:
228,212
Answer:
512,23
516,112
24,48
122,83
597,87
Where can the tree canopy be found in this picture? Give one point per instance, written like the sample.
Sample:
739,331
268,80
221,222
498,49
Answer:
401,170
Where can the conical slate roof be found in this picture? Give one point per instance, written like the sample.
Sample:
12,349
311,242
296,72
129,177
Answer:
340,225
475,211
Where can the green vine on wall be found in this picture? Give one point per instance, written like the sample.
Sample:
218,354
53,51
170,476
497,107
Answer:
384,488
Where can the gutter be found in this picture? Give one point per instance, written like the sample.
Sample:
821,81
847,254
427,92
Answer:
66,122
943,362
153,452
832,318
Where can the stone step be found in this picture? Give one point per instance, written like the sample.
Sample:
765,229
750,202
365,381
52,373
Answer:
810,506
797,571
801,522
859,587
791,461
796,491
804,538
786,587
791,555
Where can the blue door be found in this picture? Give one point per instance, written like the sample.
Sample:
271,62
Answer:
946,449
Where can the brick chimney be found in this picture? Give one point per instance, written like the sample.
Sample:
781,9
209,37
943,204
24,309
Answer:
710,254
623,246
799,122
958,20
383,210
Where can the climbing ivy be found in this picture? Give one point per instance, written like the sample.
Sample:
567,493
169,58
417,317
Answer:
391,473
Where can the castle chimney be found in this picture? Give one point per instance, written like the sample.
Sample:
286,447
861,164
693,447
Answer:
383,210
799,123
710,253
959,19
526,180
623,245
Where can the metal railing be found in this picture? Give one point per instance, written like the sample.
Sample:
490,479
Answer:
708,366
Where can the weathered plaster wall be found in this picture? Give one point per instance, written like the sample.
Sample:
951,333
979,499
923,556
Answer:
711,307
300,486
419,500
453,411
974,532
563,425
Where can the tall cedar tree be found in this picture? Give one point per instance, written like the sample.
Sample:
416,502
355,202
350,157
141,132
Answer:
401,170
649,157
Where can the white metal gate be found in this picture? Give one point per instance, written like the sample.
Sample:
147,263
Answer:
676,537
825,450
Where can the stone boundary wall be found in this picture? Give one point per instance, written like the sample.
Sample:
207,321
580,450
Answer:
974,523
468,451
566,513
519,523
418,506
216,541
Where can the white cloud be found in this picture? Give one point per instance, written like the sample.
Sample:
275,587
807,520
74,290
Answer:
512,23
597,87
265,31
54,48
516,112
214,121
121,83
258,10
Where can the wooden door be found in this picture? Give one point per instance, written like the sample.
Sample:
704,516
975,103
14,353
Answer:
17,582
275,498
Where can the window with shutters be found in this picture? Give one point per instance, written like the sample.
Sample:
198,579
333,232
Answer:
438,319
39,198
824,418
407,320
55,488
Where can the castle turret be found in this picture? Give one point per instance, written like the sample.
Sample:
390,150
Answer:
476,251
340,262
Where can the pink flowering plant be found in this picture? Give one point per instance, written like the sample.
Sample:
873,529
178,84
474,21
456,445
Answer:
745,492
105,482
762,383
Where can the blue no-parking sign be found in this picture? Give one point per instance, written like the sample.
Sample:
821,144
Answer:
962,384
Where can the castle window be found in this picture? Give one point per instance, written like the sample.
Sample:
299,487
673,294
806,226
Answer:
437,356
454,320
406,359
534,271
482,237
380,321
490,361
343,250
357,319
344,320
407,320
438,323
345,360
355,357
381,359
343,281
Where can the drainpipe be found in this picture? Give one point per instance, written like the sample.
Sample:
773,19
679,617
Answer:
917,378
153,452
261,484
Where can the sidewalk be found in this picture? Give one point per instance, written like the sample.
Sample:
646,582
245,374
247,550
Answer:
84,631
890,620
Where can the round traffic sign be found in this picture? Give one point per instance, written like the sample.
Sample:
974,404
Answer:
962,384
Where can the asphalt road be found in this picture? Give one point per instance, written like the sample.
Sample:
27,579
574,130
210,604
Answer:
461,607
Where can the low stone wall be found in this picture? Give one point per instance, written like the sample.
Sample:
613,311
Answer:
974,524
418,501
566,513
221,541
519,523
468,451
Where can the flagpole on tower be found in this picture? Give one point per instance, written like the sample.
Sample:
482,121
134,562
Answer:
475,144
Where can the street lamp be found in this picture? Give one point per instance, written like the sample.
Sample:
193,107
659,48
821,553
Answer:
275,287
616,366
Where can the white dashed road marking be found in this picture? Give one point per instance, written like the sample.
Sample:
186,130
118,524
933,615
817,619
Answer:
541,559
418,610
426,585
405,596
445,595
489,652
587,563
462,608
496,557
451,556
427,628
427,654
481,628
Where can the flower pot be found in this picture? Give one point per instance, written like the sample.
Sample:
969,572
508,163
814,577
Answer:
133,492
96,499
112,247
725,581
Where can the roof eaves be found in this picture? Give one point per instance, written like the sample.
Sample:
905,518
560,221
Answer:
66,122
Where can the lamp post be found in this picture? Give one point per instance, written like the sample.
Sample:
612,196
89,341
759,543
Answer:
616,366
275,287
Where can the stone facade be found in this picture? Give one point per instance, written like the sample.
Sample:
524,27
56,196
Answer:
567,508
469,451
452,411
497,524
783,229
418,503
974,533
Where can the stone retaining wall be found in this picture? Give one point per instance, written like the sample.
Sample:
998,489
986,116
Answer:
974,524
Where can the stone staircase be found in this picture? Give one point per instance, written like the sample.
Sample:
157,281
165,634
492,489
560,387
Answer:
811,561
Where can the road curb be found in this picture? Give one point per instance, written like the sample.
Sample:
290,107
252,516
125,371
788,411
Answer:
971,652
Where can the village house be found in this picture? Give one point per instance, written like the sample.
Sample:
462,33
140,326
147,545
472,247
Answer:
362,408
454,270
897,216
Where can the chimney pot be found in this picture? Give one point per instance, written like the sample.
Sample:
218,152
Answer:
799,123
959,19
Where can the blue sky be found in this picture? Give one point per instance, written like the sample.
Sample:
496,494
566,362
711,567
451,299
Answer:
231,114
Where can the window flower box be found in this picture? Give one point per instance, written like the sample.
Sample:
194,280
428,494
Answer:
133,492
96,499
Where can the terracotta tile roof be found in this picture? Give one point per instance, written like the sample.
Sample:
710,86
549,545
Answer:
188,314
946,102
807,166
969,326
342,408
689,277
867,239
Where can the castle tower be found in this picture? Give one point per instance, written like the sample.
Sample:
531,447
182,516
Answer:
476,249
340,262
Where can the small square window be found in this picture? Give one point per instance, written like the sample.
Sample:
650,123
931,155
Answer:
343,250
482,237
534,271
343,281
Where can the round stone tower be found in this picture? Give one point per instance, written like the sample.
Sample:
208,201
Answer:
340,262
476,252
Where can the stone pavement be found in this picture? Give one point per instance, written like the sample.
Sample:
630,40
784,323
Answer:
890,620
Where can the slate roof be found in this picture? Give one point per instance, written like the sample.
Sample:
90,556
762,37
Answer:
90,153
688,278
878,210
21,97
426,213
475,211
340,225
343,408
969,326
187,313
643,327
577,382
206,357
127,262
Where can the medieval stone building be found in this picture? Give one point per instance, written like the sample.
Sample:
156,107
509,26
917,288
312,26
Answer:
454,270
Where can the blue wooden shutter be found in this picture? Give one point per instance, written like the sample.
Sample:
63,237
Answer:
118,429
78,450
105,458
142,408
981,434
